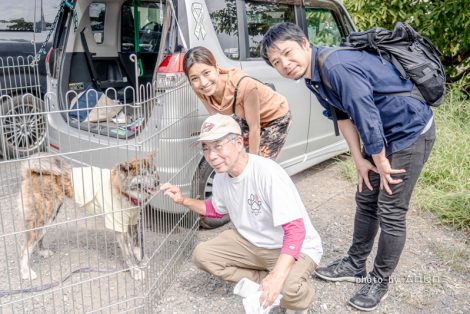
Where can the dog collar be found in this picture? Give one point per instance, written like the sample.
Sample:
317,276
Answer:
134,201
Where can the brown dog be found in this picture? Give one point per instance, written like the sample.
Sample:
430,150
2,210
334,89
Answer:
116,192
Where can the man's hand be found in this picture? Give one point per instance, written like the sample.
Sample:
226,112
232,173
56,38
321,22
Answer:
385,170
363,166
270,288
173,192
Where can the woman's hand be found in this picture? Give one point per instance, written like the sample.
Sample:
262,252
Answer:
251,106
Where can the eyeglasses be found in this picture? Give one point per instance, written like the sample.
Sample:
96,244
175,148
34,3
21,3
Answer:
217,148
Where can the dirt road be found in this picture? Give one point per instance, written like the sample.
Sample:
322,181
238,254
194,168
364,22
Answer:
432,277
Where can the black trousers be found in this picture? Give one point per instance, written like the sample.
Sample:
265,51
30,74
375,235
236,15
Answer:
377,208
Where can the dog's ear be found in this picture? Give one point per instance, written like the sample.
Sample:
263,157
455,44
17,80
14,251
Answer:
125,166
150,159
151,156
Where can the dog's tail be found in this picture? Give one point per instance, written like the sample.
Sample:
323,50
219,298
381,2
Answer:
49,164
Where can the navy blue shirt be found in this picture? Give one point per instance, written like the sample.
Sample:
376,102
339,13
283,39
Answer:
357,79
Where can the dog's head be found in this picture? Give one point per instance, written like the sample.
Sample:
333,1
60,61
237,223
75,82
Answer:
137,178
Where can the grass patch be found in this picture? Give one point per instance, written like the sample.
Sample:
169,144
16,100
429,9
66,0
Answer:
444,185
455,257
348,170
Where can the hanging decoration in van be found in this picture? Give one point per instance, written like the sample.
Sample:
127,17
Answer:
197,11
64,4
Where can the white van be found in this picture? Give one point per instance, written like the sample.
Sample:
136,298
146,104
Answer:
94,45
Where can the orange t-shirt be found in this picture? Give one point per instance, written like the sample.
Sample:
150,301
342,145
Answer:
272,104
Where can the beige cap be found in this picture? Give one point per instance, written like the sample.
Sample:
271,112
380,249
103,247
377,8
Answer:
218,126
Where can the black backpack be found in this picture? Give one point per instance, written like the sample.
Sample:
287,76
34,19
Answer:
413,55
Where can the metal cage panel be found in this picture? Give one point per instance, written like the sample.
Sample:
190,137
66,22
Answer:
77,255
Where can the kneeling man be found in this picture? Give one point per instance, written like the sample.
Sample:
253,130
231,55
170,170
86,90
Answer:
274,242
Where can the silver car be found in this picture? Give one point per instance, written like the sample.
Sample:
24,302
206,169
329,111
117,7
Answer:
22,84
100,45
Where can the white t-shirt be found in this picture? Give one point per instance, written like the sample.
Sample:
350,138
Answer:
259,201
93,191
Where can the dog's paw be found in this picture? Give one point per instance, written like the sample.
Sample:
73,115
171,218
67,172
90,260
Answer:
137,274
29,275
45,253
145,260
137,253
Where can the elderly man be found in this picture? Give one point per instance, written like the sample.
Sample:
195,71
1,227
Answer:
274,242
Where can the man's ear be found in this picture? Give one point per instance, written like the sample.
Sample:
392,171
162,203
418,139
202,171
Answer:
305,43
240,142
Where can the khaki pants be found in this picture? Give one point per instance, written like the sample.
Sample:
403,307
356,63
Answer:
231,257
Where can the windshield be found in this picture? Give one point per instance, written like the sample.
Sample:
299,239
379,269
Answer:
149,25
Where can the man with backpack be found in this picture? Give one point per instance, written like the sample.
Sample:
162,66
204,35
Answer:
371,103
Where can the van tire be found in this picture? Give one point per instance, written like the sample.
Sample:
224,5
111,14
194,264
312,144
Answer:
22,131
204,190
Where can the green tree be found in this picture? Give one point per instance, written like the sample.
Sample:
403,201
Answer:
20,25
445,22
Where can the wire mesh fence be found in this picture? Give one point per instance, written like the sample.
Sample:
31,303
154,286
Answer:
19,104
18,76
83,225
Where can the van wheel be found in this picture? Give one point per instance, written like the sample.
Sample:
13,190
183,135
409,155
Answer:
23,127
204,190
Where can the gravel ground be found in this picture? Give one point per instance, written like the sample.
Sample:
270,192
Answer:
432,276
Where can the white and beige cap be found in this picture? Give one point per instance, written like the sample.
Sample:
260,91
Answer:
217,126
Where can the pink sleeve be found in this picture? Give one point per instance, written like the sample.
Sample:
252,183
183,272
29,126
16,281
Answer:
294,235
210,210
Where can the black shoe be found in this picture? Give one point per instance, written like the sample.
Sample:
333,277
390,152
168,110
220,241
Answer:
368,297
341,270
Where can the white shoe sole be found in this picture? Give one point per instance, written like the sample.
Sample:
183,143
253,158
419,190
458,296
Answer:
349,279
368,309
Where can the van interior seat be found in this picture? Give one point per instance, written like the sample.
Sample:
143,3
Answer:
106,72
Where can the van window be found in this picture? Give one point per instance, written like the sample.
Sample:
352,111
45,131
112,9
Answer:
322,27
150,27
18,15
224,18
260,17
97,15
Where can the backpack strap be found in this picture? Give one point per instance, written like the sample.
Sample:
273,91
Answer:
321,58
399,67
235,92
415,93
